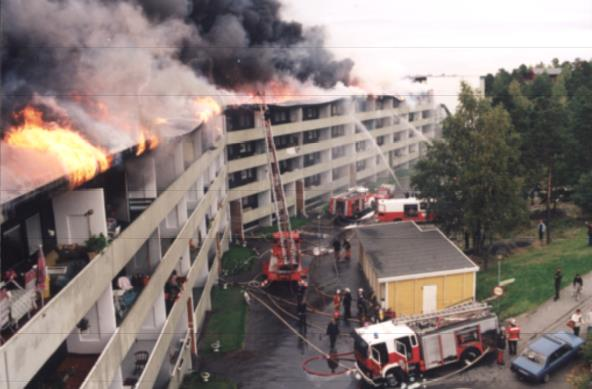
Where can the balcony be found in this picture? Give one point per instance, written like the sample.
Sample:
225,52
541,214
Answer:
58,316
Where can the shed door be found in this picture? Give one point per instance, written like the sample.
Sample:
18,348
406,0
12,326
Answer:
429,298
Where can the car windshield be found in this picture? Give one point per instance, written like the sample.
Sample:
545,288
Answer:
534,356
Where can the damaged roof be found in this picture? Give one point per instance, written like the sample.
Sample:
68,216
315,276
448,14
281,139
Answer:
403,250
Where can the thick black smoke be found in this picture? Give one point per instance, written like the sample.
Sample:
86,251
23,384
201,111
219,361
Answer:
241,42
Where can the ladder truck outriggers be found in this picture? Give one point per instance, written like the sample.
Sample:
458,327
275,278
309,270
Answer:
401,350
285,262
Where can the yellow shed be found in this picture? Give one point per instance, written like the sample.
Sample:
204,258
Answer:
415,270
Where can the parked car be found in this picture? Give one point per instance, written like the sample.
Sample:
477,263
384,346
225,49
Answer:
545,355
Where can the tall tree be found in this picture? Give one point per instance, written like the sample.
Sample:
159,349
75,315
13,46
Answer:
471,171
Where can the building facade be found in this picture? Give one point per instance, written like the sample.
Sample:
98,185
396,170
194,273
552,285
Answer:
323,148
169,214
131,314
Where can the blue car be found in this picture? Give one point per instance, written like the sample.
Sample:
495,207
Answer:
545,355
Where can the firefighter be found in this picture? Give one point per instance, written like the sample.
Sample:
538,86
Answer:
301,310
300,292
347,300
513,334
501,346
337,303
336,249
333,332
346,250
361,303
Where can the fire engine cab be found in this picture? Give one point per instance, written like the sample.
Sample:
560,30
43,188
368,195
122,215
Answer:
393,351
357,202
410,208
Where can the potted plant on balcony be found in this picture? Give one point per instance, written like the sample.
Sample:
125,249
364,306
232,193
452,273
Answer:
95,245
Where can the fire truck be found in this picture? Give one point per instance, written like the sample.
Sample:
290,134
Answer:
409,208
357,202
285,262
395,351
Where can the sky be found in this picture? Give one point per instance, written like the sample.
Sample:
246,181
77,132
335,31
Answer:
389,39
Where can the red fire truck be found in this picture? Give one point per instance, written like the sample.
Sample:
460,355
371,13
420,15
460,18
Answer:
410,208
393,351
357,202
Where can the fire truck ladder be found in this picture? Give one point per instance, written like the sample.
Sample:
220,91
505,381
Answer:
279,199
433,320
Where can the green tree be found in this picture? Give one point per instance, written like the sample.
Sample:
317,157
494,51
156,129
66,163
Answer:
583,192
580,109
471,172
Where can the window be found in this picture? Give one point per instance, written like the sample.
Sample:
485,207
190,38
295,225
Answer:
337,108
280,115
312,159
411,116
380,353
239,119
380,140
337,131
360,165
379,104
557,355
410,210
361,145
337,152
369,124
362,105
470,335
310,113
311,136
380,122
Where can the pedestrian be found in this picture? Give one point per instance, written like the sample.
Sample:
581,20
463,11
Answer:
332,331
589,226
337,301
578,284
576,320
336,249
542,228
301,310
300,292
513,335
346,250
361,304
347,300
558,276
501,346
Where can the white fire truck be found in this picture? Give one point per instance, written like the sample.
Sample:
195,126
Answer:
393,351
410,208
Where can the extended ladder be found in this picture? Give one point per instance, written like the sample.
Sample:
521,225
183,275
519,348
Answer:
438,319
278,197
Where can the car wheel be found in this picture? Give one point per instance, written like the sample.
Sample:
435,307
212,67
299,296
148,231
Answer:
394,378
546,378
469,356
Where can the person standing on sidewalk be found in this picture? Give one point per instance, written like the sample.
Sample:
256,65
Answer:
542,228
578,284
557,277
336,249
589,226
337,303
301,309
501,346
347,300
513,334
577,321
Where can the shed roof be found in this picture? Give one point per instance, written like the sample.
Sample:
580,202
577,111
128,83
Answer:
403,250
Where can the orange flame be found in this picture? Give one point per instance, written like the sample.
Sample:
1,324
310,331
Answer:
206,107
146,140
80,159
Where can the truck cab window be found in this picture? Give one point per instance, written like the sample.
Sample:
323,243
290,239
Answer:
380,353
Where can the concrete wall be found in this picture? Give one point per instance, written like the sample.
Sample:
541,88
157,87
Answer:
78,215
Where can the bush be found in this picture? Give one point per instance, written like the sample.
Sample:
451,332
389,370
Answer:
583,192
96,243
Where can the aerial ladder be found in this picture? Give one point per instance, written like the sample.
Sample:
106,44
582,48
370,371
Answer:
285,262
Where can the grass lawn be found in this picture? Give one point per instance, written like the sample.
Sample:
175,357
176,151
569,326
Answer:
193,381
533,270
296,222
226,322
237,259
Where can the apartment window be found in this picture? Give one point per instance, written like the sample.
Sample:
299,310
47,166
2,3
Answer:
360,146
380,140
337,108
411,116
242,177
310,113
396,137
240,150
362,105
337,131
426,114
369,124
412,148
239,119
312,136
280,115
411,134
360,165
380,104
312,159
312,180
250,202
285,141
337,152
396,119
